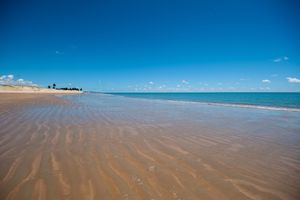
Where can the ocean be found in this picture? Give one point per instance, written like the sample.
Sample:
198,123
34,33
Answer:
264,100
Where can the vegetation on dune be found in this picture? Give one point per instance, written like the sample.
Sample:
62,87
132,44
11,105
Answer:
64,88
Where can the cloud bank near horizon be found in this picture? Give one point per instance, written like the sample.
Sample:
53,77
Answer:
9,80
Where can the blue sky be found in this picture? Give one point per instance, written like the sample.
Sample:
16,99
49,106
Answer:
153,45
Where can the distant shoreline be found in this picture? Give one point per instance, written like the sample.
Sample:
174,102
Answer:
15,89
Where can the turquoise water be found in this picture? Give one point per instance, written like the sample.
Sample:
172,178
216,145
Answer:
287,101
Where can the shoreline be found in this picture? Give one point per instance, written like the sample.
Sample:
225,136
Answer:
233,105
40,92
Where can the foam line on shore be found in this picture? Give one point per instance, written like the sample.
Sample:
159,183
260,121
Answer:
216,104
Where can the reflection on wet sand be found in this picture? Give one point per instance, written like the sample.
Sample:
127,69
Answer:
105,147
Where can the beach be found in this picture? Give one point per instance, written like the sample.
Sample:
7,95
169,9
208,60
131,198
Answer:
97,146
18,89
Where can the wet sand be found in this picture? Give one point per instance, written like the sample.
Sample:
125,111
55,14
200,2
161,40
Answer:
109,147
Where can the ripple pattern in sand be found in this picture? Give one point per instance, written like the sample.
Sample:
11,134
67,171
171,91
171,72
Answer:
89,149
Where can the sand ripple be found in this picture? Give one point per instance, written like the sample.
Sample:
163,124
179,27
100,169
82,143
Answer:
98,147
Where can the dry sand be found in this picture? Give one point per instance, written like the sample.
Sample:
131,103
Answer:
100,148
14,89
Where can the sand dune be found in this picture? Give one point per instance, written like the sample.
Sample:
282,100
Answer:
104,147
16,89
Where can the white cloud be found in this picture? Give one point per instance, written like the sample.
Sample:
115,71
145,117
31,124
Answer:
9,80
293,80
184,82
266,81
280,59
11,77
2,77
151,83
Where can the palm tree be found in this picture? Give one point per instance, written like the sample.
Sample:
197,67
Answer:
54,85
49,86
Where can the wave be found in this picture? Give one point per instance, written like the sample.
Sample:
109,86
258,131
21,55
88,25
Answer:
237,105
255,106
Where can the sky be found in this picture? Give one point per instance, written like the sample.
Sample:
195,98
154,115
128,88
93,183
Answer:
152,45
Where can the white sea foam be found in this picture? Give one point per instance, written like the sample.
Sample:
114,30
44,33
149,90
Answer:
258,107
218,104
233,105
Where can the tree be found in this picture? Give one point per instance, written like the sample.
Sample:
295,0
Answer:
80,89
49,86
54,85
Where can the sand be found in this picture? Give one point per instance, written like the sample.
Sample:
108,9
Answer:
15,89
107,147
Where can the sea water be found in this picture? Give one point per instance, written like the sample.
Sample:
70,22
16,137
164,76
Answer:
267,100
